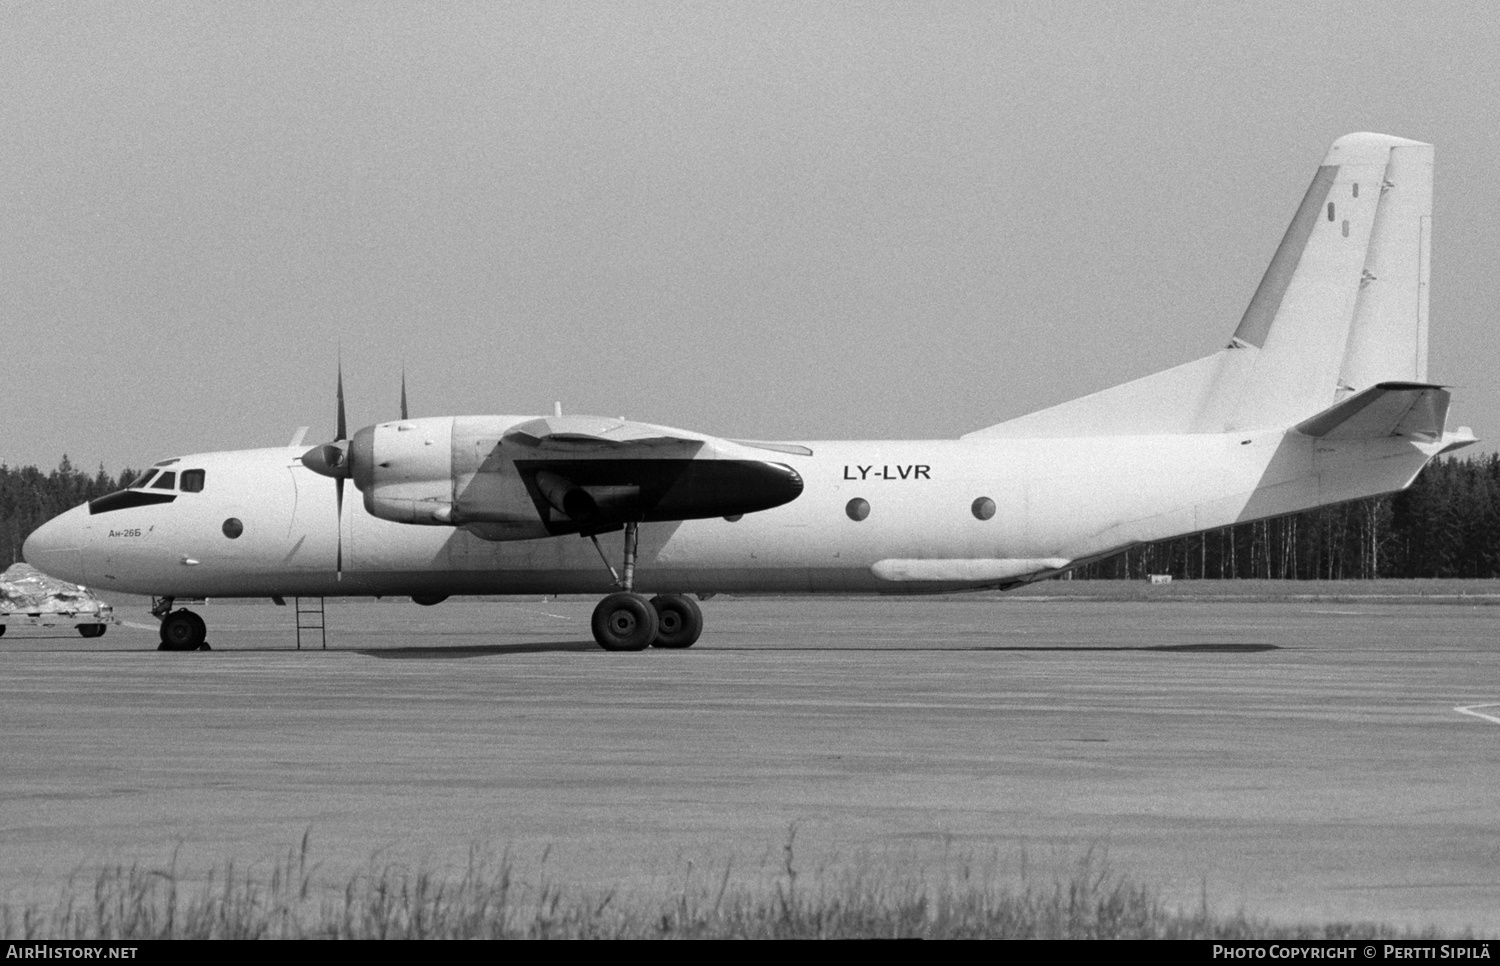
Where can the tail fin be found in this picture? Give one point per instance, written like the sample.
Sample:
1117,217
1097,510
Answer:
1344,304
1342,307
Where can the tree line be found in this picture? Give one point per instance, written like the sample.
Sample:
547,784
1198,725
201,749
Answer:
29,498
1446,525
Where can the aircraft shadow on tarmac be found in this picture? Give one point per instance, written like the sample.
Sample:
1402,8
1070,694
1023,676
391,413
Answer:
1169,648
458,651
449,652
1024,648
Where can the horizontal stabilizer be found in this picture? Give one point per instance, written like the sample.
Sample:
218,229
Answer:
1384,409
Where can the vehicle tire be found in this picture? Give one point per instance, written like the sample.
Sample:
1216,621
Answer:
428,600
91,630
624,622
182,630
679,622
2,630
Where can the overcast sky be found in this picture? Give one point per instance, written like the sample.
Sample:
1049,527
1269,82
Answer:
763,220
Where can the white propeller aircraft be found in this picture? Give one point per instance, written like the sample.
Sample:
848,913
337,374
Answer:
1320,397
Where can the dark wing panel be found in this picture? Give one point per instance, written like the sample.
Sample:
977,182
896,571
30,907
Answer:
590,496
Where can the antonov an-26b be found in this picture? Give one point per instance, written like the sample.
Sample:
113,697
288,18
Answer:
1321,396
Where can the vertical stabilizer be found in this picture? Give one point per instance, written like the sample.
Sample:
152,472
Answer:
1341,308
1302,314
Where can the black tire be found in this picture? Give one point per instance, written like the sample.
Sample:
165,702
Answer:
2,630
624,622
182,630
91,630
679,622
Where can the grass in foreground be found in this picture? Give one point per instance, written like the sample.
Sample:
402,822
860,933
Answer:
488,902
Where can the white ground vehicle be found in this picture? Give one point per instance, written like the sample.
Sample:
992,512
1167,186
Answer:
29,597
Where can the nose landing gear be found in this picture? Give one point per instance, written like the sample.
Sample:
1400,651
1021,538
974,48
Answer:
181,630
626,621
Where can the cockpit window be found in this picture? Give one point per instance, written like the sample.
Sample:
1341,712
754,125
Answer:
166,481
192,481
145,478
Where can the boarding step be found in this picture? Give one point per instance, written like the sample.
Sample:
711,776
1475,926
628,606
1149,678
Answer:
310,618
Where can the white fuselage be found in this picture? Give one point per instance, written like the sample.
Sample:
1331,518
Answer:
1057,502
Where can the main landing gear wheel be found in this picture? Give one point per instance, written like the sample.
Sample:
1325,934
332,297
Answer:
182,630
679,621
624,622
91,630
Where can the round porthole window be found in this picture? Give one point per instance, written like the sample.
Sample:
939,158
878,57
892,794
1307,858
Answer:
233,528
857,509
983,508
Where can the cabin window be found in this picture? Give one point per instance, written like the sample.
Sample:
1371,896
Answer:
233,528
1356,189
1330,211
192,481
167,481
983,508
857,509
145,478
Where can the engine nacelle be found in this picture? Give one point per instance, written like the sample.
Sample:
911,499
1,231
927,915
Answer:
405,470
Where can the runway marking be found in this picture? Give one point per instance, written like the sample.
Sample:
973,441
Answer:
545,613
1469,709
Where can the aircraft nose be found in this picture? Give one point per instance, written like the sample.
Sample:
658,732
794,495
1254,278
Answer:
54,548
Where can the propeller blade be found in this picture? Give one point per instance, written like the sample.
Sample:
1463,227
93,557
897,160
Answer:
338,491
343,429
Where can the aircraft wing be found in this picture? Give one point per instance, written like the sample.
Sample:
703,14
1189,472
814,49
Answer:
591,473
